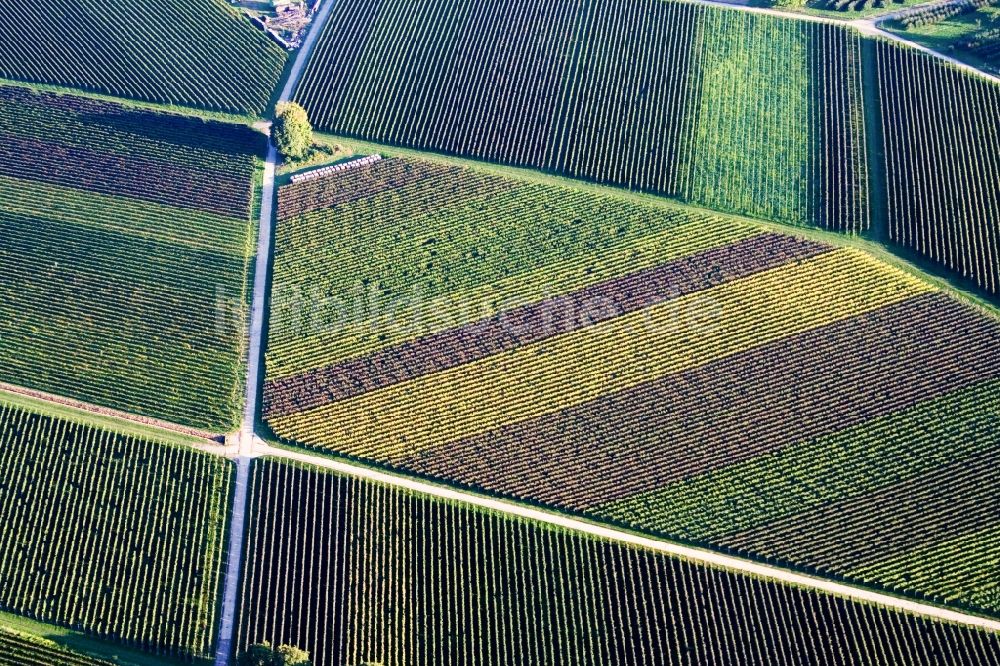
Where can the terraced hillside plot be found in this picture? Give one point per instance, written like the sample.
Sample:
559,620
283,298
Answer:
677,372
732,110
942,147
360,573
110,534
195,53
126,244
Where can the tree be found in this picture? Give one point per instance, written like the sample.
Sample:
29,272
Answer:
292,656
292,132
262,654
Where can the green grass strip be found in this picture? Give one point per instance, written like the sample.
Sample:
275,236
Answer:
752,135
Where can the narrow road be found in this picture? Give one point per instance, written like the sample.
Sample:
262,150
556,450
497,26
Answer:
245,438
302,57
251,446
245,441
257,313
237,530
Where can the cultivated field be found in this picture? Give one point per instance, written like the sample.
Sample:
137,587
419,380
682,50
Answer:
656,367
736,111
942,146
473,243
126,238
113,535
195,53
744,113
18,649
647,332
359,573
904,500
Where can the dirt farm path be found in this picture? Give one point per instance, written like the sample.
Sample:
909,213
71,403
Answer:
595,529
98,410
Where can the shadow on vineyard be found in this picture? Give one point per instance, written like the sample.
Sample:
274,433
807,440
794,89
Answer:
187,131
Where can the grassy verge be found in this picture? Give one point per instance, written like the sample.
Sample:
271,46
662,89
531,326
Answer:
874,138
101,421
944,36
84,644
134,104
286,73
327,150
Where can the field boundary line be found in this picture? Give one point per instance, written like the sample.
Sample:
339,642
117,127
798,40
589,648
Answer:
249,446
875,154
130,103
262,263
244,437
593,528
214,439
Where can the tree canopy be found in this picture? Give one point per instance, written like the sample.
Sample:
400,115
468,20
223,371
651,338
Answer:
262,654
292,132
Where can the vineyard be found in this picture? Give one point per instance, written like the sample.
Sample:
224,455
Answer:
736,111
360,573
904,500
109,534
942,145
645,365
125,256
205,56
985,43
468,242
18,649
580,332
